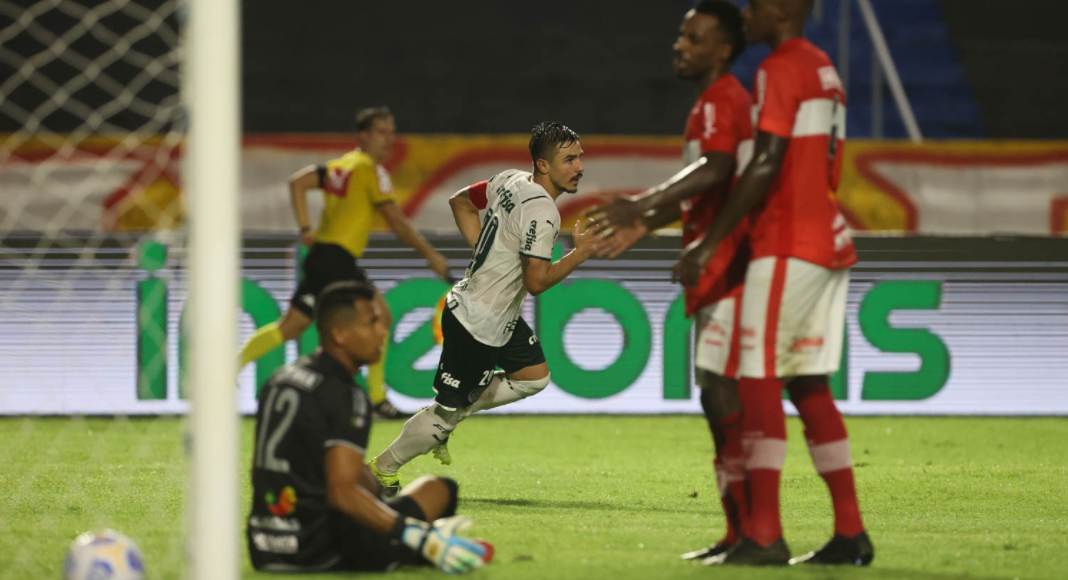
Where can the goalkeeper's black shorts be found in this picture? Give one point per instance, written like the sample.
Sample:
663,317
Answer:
364,550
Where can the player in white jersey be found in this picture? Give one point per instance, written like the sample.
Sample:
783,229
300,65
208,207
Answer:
481,325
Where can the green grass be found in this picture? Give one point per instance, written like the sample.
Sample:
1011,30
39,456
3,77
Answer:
592,497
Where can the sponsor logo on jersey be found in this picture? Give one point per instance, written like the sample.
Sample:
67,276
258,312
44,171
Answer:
829,80
532,340
286,544
301,378
274,523
449,380
806,343
714,328
532,234
337,182
505,196
284,503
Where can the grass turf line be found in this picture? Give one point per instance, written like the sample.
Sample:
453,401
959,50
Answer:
590,497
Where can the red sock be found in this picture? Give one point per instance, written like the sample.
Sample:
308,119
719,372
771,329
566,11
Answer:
730,472
764,440
730,506
828,444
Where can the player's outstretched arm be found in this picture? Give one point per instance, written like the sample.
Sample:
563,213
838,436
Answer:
713,169
299,184
752,186
401,226
465,212
539,275
439,542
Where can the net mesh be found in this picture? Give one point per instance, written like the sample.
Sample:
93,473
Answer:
91,128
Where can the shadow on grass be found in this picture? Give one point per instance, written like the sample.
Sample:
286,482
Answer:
568,504
880,572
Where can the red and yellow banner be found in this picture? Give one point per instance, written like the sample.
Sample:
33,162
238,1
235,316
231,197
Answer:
961,188
957,187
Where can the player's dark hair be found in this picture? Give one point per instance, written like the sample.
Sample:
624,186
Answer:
337,303
366,117
729,17
546,138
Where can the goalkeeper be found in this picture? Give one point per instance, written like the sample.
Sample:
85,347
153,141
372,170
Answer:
315,505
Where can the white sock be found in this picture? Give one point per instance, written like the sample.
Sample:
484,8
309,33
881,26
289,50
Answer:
499,392
502,391
423,432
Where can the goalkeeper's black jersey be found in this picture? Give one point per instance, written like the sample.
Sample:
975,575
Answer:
303,410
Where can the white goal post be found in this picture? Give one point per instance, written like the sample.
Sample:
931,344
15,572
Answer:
212,165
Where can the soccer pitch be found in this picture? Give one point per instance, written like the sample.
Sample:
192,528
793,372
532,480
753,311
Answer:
590,496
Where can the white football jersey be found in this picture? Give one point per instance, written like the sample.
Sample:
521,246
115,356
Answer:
520,218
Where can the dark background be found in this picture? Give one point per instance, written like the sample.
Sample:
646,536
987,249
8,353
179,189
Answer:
972,68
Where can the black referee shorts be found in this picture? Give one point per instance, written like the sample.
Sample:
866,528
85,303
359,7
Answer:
324,265
466,365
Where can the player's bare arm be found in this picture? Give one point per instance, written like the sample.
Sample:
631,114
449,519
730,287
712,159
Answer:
751,189
401,226
438,542
540,275
299,184
465,213
345,494
752,186
711,170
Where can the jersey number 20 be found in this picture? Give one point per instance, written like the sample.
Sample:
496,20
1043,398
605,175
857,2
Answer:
484,243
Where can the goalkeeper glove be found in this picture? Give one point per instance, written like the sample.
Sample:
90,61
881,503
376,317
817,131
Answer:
441,544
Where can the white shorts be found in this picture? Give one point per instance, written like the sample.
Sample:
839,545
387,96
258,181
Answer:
793,318
717,332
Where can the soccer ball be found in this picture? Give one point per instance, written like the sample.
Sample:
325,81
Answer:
103,555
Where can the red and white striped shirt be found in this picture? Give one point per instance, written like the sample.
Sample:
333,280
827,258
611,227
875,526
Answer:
800,97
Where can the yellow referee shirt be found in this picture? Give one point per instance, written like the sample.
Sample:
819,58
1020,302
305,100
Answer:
353,185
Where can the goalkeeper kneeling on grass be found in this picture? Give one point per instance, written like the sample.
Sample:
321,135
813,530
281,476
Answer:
315,504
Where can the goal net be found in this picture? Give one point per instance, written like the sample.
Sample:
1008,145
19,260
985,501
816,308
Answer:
92,275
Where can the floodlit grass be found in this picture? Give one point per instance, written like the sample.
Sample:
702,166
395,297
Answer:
590,497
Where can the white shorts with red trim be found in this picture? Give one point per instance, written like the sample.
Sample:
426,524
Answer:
793,317
717,330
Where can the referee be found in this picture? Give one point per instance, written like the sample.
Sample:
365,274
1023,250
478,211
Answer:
356,187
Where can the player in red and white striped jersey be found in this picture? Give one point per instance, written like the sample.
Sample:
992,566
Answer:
793,305
718,144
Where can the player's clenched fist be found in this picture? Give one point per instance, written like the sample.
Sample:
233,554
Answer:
441,544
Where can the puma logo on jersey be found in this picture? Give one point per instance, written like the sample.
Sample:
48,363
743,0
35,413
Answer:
448,380
532,234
